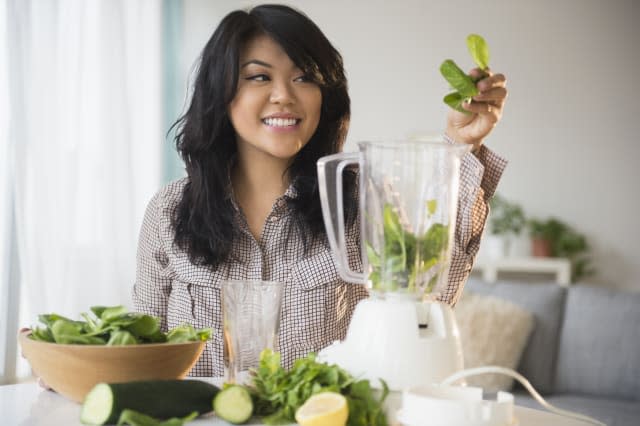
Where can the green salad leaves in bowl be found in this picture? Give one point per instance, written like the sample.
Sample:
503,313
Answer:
110,345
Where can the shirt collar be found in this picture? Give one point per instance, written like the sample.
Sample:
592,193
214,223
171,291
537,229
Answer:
291,191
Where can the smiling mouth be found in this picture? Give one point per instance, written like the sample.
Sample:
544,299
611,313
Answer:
281,122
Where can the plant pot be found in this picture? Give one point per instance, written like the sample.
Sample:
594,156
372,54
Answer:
493,247
519,246
540,247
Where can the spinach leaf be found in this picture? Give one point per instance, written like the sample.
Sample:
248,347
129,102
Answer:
111,313
144,326
405,257
186,333
42,334
112,325
464,84
458,79
98,310
434,241
121,338
479,50
49,319
63,330
454,100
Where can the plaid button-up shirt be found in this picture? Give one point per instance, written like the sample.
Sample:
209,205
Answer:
317,304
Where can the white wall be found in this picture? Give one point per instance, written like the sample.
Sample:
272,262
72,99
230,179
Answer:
571,126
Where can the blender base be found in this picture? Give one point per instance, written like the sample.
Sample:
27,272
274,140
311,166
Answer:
385,342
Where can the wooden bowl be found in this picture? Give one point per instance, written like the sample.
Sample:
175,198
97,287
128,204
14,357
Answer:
73,370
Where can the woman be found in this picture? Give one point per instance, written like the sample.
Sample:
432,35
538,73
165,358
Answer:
270,99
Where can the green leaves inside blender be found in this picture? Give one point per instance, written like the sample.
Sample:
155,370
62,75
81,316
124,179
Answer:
464,84
405,254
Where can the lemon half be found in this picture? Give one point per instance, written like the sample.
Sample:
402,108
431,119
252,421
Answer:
323,409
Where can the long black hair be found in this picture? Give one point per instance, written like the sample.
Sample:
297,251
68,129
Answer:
203,219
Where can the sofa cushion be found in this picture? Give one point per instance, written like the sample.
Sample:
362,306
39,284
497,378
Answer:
600,343
546,302
613,412
493,331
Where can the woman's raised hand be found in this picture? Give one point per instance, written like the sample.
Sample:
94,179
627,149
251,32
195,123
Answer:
486,110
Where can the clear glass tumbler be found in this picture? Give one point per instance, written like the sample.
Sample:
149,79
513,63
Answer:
251,319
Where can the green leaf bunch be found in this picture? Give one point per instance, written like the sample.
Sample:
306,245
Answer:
464,84
405,255
112,326
278,393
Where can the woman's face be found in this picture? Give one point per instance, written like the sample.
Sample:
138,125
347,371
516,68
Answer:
276,109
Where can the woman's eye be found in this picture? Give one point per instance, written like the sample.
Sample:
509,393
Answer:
258,77
304,79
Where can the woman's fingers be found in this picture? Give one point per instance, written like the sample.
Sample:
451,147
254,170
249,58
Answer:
487,79
495,96
493,92
42,384
494,80
492,87
23,329
491,112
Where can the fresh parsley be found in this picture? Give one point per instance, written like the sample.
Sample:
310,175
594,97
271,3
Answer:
278,393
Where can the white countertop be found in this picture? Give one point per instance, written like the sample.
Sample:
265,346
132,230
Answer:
29,405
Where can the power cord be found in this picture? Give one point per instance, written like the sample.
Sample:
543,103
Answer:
492,369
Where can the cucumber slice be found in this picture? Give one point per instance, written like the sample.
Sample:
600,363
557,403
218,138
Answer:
97,406
233,404
161,399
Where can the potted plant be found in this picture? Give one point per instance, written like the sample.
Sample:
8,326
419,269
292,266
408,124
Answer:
542,233
553,237
506,220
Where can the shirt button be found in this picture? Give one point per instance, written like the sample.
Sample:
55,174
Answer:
273,219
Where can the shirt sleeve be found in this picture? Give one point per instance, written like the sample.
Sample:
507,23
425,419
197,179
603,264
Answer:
480,173
153,284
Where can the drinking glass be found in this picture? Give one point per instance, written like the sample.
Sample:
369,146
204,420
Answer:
251,318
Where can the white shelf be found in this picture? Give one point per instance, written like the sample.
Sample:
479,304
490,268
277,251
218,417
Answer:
559,267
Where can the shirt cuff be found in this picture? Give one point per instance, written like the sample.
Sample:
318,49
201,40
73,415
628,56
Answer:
483,164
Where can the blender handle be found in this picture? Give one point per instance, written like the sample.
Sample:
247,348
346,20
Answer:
330,168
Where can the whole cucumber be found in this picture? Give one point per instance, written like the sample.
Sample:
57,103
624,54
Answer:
161,399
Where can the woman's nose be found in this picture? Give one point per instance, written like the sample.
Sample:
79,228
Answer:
282,93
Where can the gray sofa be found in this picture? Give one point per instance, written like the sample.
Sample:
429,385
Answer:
584,352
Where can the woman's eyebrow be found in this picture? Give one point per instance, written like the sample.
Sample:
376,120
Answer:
257,62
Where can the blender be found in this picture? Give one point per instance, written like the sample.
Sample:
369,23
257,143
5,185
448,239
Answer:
408,195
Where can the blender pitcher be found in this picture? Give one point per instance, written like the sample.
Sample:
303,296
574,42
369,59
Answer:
408,196
408,200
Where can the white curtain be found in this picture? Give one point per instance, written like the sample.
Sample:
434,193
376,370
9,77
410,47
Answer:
7,353
86,125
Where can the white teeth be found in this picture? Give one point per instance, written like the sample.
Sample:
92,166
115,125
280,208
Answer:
280,122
